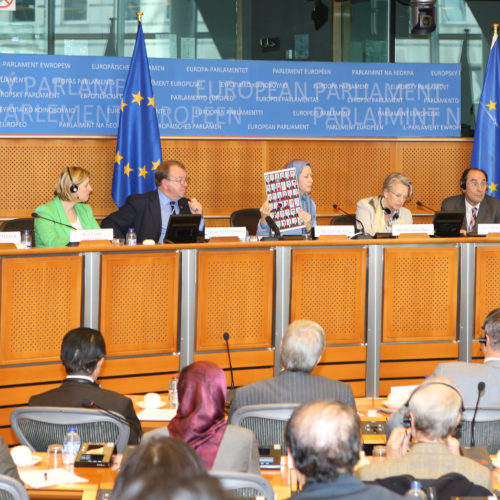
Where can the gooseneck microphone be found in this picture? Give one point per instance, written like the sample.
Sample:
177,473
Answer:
88,403
480,389
274,228
359,236
38,216
230,393
420,204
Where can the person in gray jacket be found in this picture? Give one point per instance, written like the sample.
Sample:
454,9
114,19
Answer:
301,349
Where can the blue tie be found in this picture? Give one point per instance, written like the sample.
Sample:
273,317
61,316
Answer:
172,207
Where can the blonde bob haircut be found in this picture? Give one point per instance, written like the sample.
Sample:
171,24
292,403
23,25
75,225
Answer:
63,184
391,179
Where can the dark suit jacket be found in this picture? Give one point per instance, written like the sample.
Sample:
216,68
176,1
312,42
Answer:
489,209
143,213
73,391
345,487
292,387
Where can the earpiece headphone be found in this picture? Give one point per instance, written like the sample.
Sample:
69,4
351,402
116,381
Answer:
395,215
407,418
465,173
74,187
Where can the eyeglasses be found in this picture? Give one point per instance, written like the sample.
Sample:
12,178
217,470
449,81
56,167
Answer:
476,184
399,196
180,180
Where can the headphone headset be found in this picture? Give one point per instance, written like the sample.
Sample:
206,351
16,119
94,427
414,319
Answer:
407,418
465,173
395,215
74,187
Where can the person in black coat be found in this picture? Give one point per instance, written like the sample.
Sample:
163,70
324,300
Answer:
82,353
149,213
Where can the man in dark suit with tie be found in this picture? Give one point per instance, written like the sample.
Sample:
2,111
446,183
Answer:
301,349
82,353
149,213
479,208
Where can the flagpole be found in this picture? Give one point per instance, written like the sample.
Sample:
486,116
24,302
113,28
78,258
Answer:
140,14
495,33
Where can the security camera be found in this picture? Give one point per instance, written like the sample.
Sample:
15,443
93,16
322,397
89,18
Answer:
423,16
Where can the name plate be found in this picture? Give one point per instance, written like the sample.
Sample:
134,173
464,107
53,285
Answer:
225,232
90,235
412,229
11,237
333,231
484,229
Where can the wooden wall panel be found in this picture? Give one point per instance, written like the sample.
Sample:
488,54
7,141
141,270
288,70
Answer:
336,277
227,173
40,302
139,302
487,285
420,294
234,295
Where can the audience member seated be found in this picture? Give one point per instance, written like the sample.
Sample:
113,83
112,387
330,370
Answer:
68,209
168,459
307,213
201,422
148,213
379,213
82,353
435,411
466,377
301,349
7,465
479,208
156,485
324,441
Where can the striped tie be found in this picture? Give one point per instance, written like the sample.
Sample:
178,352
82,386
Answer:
472,219
172,207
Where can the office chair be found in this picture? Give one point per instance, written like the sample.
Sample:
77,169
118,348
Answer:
11,489
19,225
244,484
248,217
39,426
343,220
267,421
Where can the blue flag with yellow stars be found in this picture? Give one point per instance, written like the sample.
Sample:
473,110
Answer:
138,146
487,134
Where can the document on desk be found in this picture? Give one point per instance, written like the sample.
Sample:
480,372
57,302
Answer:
159,414
49,477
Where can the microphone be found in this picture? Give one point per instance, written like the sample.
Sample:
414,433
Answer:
420,204
38,216
230,393
358,236
274,228
480,390
88,403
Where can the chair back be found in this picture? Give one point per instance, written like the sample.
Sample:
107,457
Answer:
11,489
486,433
343,220
267,421
39,426
20,225
248,217
244,484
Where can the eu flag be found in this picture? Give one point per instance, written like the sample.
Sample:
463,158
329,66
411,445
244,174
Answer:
485,152
138,147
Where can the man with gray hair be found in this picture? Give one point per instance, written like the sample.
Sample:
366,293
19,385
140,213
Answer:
301,349
323,440
434,409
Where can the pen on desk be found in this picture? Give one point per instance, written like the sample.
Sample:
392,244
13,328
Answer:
45,476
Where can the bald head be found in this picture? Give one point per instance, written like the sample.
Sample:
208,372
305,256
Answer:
324,439
302,345
435,408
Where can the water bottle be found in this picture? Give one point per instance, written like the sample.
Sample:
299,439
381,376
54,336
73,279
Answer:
71,446
131,237
416,491
26,238
172,391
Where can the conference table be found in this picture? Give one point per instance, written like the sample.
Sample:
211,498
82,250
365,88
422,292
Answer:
283,482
